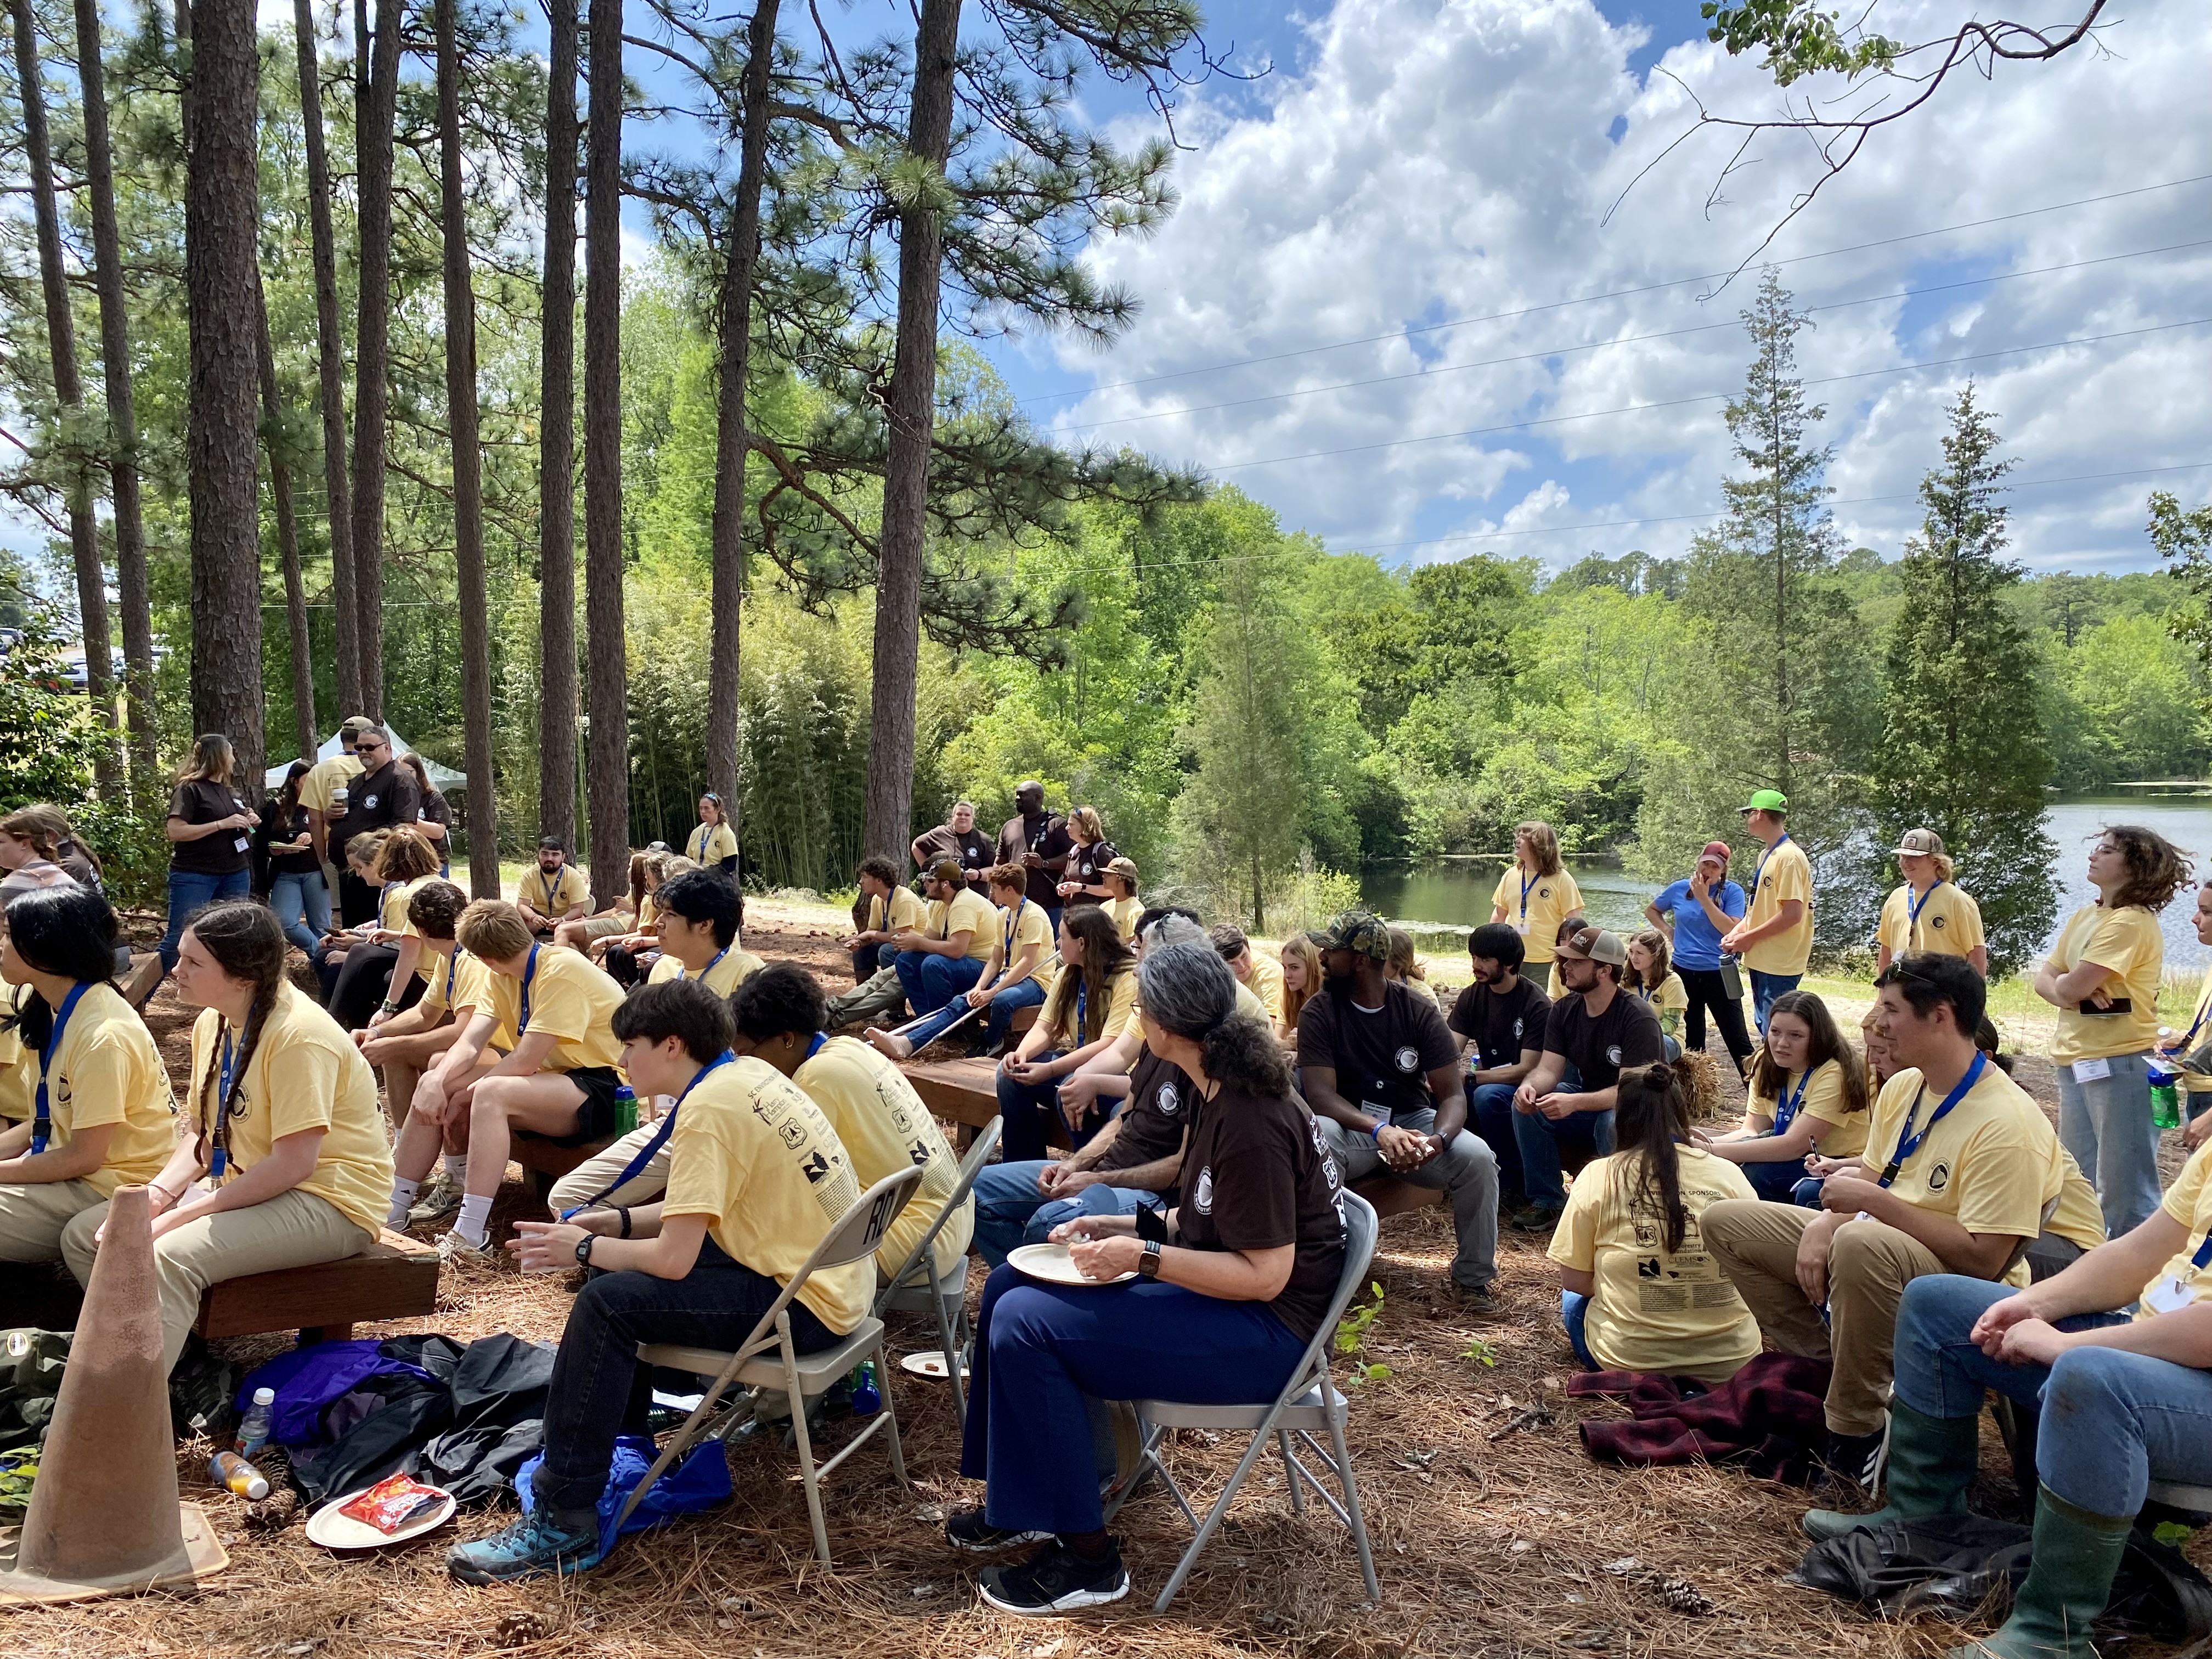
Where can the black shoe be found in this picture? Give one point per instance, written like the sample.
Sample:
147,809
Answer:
1477,1298
966,1529
1537,1219
1055,1580
1854,1461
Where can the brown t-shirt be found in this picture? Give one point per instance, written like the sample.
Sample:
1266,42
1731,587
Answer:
1161,1105
224,853
972,852
1256,1176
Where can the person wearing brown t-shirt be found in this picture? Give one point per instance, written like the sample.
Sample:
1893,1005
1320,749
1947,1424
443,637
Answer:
210,833
1220,1314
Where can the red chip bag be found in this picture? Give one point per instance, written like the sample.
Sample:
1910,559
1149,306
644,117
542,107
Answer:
391,1503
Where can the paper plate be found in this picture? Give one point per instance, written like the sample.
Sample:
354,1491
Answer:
1053,1264
930,1364
335,1531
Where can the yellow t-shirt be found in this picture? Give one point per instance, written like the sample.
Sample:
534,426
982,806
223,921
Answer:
1551,900
1266,984
2200,1020
885,1127
1785,874
323,777
1119,1011
2189,1201
1132,1024
1125,912
569,998
305,1074
1023,925
1843,1132
553,896
467,991
710,843
1990,1164
15,1079
723,976
107,1070
1950,922
2127,943
970,913
392,904
754,1154
648,913
1653,1309
906,911
1670,998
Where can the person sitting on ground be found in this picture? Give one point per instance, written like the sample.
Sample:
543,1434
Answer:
1120,881
1959,1168
1638,1290
1651,978
558,1081
1694,913
943,957
1501,1019
1299,961
698,934
1929,911
378,975
1011,976
757,1178
285,1163
1594,1032
619,918
1537,898
959,840
28,853
1256,969
712,845
1808,1093
892,909
1403,964
410,1038
1382,1072
554,892
2116,1352
1087,861
1221,1314
1092,1001
100,1112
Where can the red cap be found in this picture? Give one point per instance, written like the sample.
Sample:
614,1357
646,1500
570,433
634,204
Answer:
1716,849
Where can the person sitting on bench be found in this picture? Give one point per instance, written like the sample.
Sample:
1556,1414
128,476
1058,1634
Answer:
757,1178
696,930
893,908
1092,1000
945,956
554,892
1012,977
285,1163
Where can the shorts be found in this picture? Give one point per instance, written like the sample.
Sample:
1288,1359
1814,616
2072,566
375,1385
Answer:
595,1118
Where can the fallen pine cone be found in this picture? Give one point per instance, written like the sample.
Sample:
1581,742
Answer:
518,1630
1679,1593
275,1512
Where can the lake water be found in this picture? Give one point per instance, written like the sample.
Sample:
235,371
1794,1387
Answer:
1453,894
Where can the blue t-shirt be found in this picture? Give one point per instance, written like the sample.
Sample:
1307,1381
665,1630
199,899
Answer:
1696,943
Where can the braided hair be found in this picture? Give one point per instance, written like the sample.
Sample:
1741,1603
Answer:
244,937
1105,958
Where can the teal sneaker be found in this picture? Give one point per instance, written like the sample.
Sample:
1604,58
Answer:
534,1545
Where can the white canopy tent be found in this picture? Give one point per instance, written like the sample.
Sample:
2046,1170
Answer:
447,780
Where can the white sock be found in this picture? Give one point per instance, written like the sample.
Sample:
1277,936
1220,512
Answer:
402,1199
474,1222
457,1167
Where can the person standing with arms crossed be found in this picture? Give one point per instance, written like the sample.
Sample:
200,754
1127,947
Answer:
1929,912
1776,938
1694,914
1537,898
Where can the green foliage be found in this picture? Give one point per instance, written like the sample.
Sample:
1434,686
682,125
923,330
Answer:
1482,1352
1351,1339
2183,539
47,735
1798,38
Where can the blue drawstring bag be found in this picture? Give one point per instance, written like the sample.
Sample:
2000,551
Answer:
699,1480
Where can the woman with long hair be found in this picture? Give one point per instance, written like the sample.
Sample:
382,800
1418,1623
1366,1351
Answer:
1089,1004
433,814
1219,1314
2103,977
1404,964
1086,882
627,956
100,1109
1631,1222
1302,975
297,892
210,830
1652,978
1879,1059
1537,898
1808,1091
713,844
30,855
283,1162
82,863
359,975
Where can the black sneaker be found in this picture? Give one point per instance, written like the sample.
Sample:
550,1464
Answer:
1853,1461
1055,1580
1537,1219
966,1529
1477,1298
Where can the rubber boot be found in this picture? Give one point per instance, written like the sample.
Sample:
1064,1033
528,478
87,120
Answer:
1931,1463
2069,1579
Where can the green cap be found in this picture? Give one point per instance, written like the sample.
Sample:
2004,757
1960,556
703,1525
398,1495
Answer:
1766,800
1356,930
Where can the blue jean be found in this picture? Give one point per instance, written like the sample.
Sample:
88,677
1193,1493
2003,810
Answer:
1765,988
2106,1126
1011,1210
1024,1124
1539,1139
931,981
1574,1313
867,959
1775,1182
930,1027
2112,1422
1040,1349
1490,1113
1006,1003
302,901
190,891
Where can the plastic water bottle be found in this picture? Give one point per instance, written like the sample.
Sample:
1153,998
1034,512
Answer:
253,1427
867,1399
625,1110
2164,1097
230,1469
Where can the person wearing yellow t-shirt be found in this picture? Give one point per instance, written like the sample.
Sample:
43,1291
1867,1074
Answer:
1013,976
375,972
698,933
1639,1291
15,1073
713,844
2103,977
1263,973
757,1178
1652,979
1125,906
1930,911
1537,898
2189,1047
1775,937
554,892
325,778
893,908
1808,1092
1093,1001
944,956
99,1110
559,1079
285,1163
1958,1171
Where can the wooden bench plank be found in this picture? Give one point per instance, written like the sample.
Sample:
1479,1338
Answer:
548,1157
1391,1196
965,1092
396,1277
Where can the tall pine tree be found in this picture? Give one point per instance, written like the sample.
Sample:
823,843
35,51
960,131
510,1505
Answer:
1963,749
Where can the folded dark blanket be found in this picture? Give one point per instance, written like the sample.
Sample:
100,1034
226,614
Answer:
1767,1420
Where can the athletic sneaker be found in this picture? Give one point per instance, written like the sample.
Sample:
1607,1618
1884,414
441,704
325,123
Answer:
1055,1580
966,1529
533,1546
456,1251
439,1199
1853,1461
1537,1219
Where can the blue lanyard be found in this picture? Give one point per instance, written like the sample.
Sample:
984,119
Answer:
219,1142
1013,920
699,852
814,1045
1912,911
452,962
708,969
1082,1001
522,1024
1527,882
1785,1109
646,1153
549,887
1909,1142
1759,875
42,1120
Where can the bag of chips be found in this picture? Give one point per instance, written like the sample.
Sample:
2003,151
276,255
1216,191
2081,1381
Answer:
391,1503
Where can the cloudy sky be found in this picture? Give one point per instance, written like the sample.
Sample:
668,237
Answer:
1374,308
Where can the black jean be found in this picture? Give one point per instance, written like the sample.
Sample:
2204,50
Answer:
600,1391
1704,985
357,898
354,990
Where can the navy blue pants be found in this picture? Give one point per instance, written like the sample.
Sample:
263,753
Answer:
1025,1114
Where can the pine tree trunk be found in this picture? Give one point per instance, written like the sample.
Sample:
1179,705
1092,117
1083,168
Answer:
906,478
556,445
68,393
731,444
223,213
468,469
329,356
287,537
122,412
372,350
608,668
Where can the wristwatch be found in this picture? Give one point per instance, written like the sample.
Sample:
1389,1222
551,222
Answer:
584,1249
1148,1264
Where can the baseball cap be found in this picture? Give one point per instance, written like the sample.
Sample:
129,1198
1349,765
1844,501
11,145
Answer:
1125,868
1596,944
1719,851
1765,800
1926,841
944,869
1356,930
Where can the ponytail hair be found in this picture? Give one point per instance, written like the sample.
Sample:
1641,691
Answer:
1651,1116
243,937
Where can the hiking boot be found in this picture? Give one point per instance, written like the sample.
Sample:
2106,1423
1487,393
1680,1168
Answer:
966,1529
1477,1298
439,1199
1931,1463
1055,1580
1537,1219
533,1546
2070,1568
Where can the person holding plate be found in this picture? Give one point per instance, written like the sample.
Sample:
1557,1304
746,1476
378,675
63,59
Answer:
1229,1289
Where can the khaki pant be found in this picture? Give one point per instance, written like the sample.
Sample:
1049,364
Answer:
292,1230
32,1216
1869,1267
584,1181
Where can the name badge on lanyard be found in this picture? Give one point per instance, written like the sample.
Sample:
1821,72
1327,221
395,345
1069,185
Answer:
2172,1293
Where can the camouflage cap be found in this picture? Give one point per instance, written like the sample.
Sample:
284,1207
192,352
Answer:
1358,931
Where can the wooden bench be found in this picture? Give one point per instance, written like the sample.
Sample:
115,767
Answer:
1391,1196
395,1278
544,1162
143,980
966,1092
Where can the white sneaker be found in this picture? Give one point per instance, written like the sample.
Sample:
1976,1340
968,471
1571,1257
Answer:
457,1251
440,1198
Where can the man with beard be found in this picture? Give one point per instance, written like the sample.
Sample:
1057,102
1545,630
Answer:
1501,1017
1040,843
382,797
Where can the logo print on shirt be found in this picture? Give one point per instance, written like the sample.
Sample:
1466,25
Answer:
1613,1054
368,803
1935,921
1517,1027
1201,1196
1165,1100
1408,1059
1939,1177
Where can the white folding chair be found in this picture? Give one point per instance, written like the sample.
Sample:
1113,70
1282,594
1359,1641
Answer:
1309,1404
803,1377
918,1287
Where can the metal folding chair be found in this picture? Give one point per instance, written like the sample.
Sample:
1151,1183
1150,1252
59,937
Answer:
947,1297
1309,1404
766,1359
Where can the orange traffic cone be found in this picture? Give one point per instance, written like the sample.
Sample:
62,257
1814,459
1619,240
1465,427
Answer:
104,1517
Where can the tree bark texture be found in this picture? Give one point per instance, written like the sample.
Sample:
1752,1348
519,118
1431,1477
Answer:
906,479
288,538
372,352
609,668
557,445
